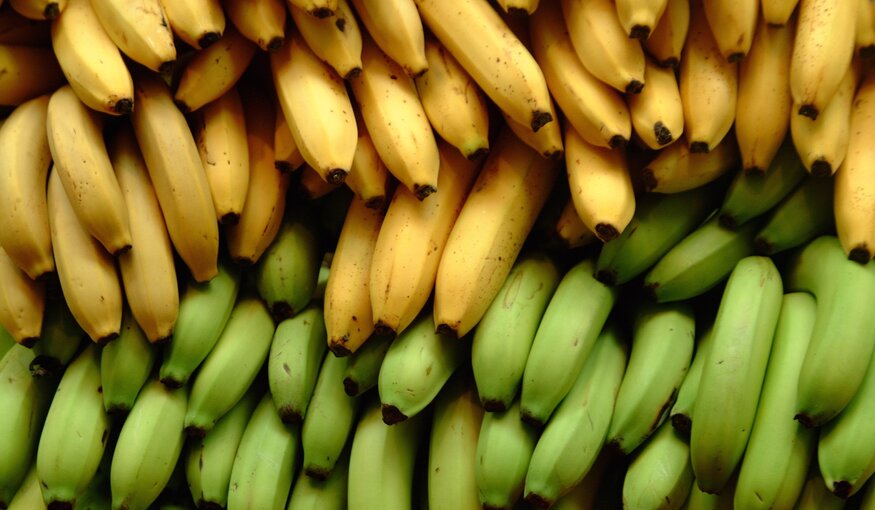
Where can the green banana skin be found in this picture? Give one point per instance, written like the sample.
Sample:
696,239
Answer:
330,419
296,353
700,261
584,496
29,495
843,336
681,414
208,461
363,370
25,401
868,500
662,348
504,449
660,476
322,277
566,335
98,494
752,193
231,366
816,496
329,494
806,213
504,336
570,443
732,378
261,478
204,309
287,273
125,365
698,500
780,450
74,433
6,341
417,365
59,340
148,446
660,222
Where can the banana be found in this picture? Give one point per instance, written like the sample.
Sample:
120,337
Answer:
149,444
708,86
518,7
564,341
676,168
396,121
570,229
199,23
681,413
22,303
84,168
660,475
311,186
764,106
261,21
316,8
24,164
816,496
639,17
585,495
74,432
597,112
778,12
29,495
336,39
734,25
751,193
500,63
698,500
417,365
39,9
864,41
178,176
213,71
804,214
369,178
396,27
662,349
265,461
6,341
821,58
317,107
868,500
288,156
780,450
30,72
667,39
569,445
309,493
700,261
732,377
497,216
230,367
363,370
125,365
411,241
140,30
657,112
203,312
454,104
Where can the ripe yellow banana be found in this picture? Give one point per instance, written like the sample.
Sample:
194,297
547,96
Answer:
261,21
570,228
676,169
22,303
639,17
140,29
777,12
518,7
288,156
199,23
666,42
657,112
396,27
336,39
39,9
311,185
369,177
316,8
733,23
30,72
864,44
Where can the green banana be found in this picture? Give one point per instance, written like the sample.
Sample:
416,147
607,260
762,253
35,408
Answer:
699,500
6,341
98,494
753,193
204,309
816,496
74,433
570,443
732,378
59,340
571,323
682,411
322,277
364,365
125,365
231,366
843,339
29,496
804,214
261,478
584,495
659,223
660,475
504,336
868,500
296,353
662,347
288,272
417,365
329,494
148,447
700,261
330,419
780,450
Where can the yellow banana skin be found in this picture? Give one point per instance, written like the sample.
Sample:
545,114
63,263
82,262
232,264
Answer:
30,72
733,24
369,178
140,29
676,168
288,156
657,111
504,448
39,9
396,27
316,8
22,303
521,7
639,17
666,42
261,21
336,39
660,475
199,23
778,12
125,365
571,230
547,140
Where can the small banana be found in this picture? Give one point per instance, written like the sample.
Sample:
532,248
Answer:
288,156
199,23
125,365
396,27
22,303
308,493
39,9
681,413
29,495
369,178
296,353
30,72
363,370
336,39
316,8
261,21
657,111
804,214
667,39
639,17
660,475
570,229
816,495
676,168
140,29
734,25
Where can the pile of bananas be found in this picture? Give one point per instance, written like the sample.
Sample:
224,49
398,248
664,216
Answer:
392,254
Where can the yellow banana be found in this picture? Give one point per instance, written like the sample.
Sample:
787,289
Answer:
39,9
521,7
397,29
336,39
570,228
199,23
676,169
311,185
639,17
733,23
30,72
657,112
316,8
777,12
261,21
369,178
22,303
140,29
666,42
288,156
864,44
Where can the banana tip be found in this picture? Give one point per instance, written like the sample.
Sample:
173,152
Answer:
422,191
662,133
634,87
447,330
52,11
821,168
734,57
538,501
29,341
119,410
231,218
652,291
208,39
809,110
533,421
641,32
105,339
166,67
493,405
60,505
860,255
842,489
337,176
618,142
275,44
317,472
607,232
122,250
728,221
375,203
123,106
392,415
607,277
172,383
338,348
540,119
281,311
351,387
699,147
477,153
806,420
322,12
682,424
289,415
43,366
763,246
383,329
195,431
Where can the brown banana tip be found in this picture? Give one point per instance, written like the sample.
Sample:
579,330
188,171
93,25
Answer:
195,432
289,415
607,232
392,415
540,119
123,106
538,501
662,133
336,176
243,261
842,489
555,155
284,167
52,11
867,52
375,202
699,147
809,110
317,473
350,387
172,383
166,67
322,12
647,179
775,25
806,420
29,342
651,290
671,62
860,255
446,329
208,39
184,108
532,421
517,11
231,218
338,348
43,365
641,32
121,251
755,170
763,246
423,191
118,410
738,56
209,505
281,311
275,44
727,221
618,142
352,73
105,339
607,277
383,329
45,276
682,424
492,405
634,87
821,168
477,154
614,448
60,505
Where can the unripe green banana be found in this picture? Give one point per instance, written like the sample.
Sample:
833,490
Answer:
565,337
804,214
662,348
732,378
330,419
29,496
698,500
322,277
816,496
261,478
287,273
58,342
204,309
780,450
584,496
125,365
74,433
329,494
504,336
570,443
363,370
682,411
231,366
418,364
6,341
296,353
98,494
868,500
843,339
700,261
504,449
660,476
148,446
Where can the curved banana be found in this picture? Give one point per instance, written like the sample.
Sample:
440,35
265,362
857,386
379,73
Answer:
199,23
660,475
316,8
570,229
22,303
369,178
261,21
639,17
309,493
676,168
29,495
547,140
778,12
363,370
667,39
733,24
125,365
396,27
806,213
657,111
681,413
288,156
30,72
39,9
816,496
336,39
140,29
60,340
